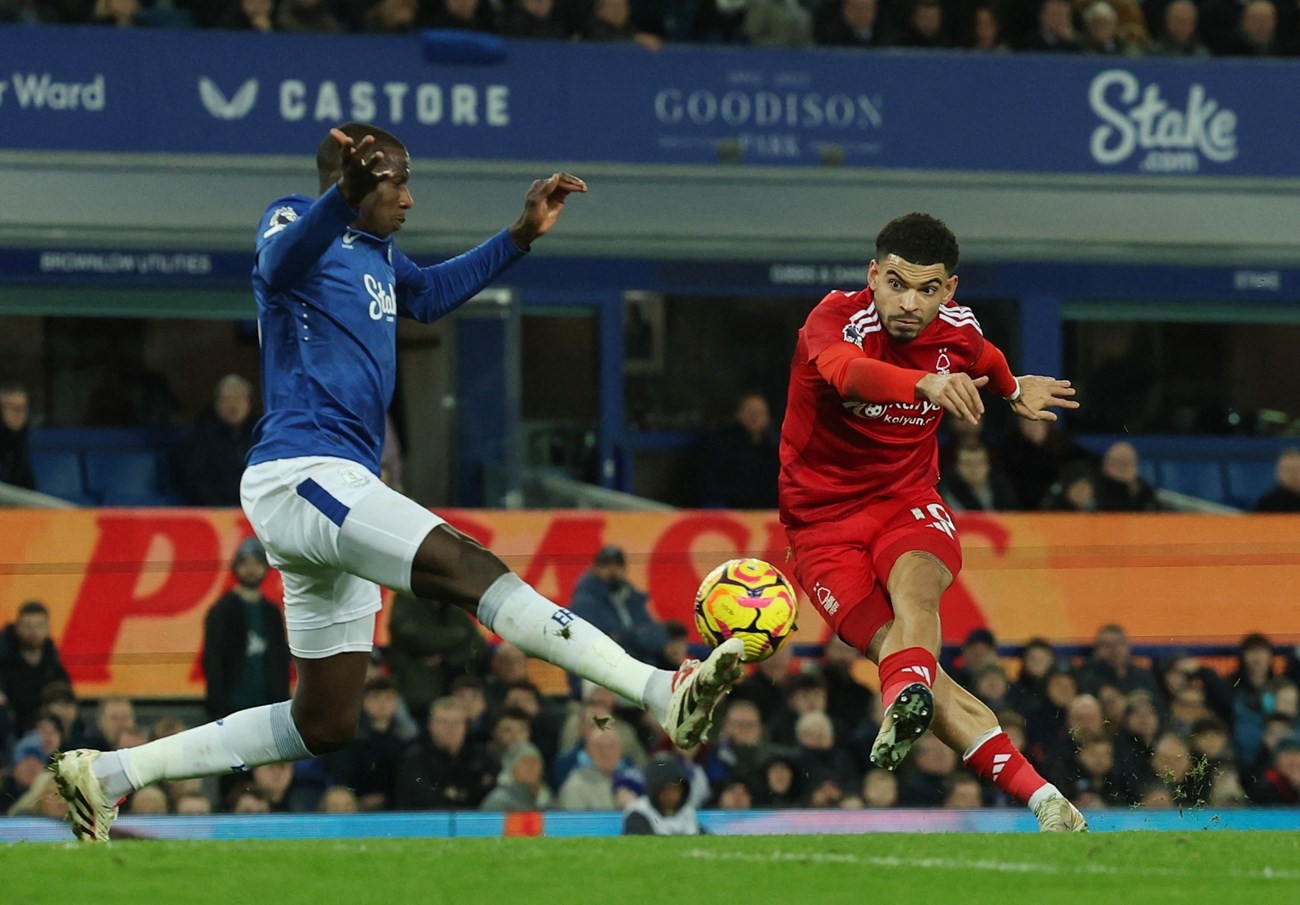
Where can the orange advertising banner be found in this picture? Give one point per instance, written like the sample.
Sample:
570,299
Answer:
128,589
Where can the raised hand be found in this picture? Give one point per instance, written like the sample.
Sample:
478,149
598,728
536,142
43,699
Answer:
956,393
363,168
1038,394
542,207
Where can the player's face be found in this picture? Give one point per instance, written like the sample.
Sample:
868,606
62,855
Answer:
384,210
908,296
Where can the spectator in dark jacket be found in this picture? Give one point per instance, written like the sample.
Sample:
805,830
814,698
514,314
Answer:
219,443
848,23
605,598
370,764
440,772
1119,486
15,460
1112,664
533,19
431,643
1285,496
1033,456
245,648
741,461
1055,32
973,485
1280,784
28,662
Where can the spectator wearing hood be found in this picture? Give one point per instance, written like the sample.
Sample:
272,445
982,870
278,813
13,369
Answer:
663,809
520,785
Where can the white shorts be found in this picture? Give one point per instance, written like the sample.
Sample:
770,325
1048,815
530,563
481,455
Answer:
336,533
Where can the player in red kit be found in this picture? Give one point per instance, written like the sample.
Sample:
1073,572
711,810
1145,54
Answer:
872,542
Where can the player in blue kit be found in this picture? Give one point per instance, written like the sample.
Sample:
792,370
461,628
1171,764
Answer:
330,285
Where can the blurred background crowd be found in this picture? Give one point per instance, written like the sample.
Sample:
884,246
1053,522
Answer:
1113,27
451,722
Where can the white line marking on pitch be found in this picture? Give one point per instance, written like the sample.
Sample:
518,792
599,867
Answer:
1009,867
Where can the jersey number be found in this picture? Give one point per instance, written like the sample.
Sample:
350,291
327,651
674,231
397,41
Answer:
942,520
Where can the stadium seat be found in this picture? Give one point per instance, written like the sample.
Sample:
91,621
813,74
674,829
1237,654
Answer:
58,473
1201,478
127,474
1248,480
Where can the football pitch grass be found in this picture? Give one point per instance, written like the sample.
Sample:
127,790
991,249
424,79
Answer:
959,869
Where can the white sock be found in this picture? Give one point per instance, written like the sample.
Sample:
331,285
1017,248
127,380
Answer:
542,629
1047,791
236,743
975,745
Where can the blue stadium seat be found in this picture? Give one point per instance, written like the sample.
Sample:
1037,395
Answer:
58,473
1201,478
124,475
1248,480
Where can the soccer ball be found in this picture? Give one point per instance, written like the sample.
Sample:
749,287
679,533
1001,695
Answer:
747,599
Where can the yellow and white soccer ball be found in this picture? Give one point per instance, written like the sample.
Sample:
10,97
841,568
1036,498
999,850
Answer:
747,599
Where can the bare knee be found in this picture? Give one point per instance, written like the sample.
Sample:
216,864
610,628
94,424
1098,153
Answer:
453,567
917,582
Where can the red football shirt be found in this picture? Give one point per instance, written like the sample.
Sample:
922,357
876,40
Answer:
838,456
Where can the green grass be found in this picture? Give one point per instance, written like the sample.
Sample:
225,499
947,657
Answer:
1135,868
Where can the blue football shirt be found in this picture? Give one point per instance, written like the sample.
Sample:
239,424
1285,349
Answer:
328,299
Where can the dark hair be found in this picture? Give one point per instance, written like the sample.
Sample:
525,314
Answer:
466,680
329,162
918,239
1255,639
513,713
57,693
33,606
806,681
527,686
11,386
231,801
380,683
1038,642
675,629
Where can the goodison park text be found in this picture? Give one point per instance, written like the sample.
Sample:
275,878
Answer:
768,108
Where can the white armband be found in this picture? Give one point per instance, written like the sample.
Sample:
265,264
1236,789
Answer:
1016,395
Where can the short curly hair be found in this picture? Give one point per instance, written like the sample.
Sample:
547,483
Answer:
920,239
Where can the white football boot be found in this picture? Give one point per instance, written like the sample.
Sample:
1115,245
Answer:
697,689
1056,815
89,810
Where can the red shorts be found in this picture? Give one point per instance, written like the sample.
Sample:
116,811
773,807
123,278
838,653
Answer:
843,566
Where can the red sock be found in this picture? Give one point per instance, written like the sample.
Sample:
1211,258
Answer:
997,759
903,668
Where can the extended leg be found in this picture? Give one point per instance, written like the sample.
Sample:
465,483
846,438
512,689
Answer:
906,651
450,566
321,718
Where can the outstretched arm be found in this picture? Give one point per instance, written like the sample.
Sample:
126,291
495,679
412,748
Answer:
542,207
427,293
1038,394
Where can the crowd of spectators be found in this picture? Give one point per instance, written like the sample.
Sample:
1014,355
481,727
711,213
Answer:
1038,466
1105,726
1108,27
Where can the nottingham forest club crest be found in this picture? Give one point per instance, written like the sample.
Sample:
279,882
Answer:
943,365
